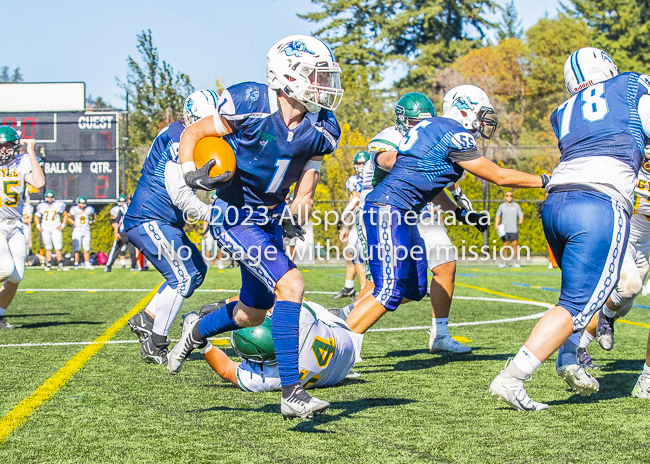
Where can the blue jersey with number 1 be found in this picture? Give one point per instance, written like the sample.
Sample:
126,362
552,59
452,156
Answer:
603,120
423,167
270,156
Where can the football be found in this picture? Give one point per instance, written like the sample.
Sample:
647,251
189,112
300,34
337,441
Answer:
217,149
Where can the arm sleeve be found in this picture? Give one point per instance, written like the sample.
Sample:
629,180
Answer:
181,195
457,156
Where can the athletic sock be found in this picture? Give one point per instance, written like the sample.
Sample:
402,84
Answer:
608,312
586,339
345,312
167,307
349,283
122,262
285,325
152,307
439,327
216,322
525,362
300,394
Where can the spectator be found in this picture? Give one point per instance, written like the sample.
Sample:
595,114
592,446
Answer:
509,217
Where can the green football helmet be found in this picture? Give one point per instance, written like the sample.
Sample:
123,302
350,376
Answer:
9,144
49,194
359,161
411,109
254,343
121,198
81,199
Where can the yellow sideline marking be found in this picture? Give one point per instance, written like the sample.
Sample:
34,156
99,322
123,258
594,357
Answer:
486,290
625,321
221,342
29,291
26,407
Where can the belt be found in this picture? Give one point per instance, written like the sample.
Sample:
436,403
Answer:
572,188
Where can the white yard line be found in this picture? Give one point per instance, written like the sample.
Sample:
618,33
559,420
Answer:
390,329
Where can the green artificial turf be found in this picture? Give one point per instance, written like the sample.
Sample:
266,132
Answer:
408,406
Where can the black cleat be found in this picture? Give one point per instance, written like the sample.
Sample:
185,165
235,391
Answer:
157,354
142,325
4,325
586,360
211,307
345,293
107,269
302,405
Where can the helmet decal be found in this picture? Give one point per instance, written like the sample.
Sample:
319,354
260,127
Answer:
296,48
606,57
576,67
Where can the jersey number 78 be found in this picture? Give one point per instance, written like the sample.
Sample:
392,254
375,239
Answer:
594,108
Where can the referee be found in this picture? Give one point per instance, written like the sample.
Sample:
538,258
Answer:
120,239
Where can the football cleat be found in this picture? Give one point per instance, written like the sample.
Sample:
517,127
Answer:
107,269
141,325
605,331
578,379
446,343
511,390
586,360
642,388
294,406
89,266
76,266
48,267
345,293
157,354
185,345
335,311
211,307
4,325
516,265
62,268
502,265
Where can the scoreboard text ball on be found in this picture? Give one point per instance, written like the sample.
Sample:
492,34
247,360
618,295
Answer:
79,151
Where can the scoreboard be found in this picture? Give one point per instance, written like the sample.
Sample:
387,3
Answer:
80,152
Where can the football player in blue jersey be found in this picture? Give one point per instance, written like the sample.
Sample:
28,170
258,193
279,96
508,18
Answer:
280,132
601,131
432,155
154,223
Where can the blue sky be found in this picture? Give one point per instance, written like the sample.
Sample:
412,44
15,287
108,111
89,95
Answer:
89,40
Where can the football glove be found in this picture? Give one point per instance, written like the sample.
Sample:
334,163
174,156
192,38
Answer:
201,180
472,218
545,180
461,199
291,227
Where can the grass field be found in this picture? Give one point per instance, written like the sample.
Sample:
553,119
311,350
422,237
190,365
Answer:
408,406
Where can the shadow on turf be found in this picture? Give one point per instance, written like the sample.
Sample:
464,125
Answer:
348,408
37,315
39,325
435,360
612,386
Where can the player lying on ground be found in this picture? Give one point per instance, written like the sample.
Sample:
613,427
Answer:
348,233
290,120
601,133
410,110
49,224
15,171
154,223
81,216
328,351
433,155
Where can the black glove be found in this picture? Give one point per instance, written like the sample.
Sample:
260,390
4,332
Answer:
545,180
291,227
201,180
472,218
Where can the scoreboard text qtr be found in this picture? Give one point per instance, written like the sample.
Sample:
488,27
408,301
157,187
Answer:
80,151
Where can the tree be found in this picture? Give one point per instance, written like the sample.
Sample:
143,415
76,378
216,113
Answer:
549,43
5,76
510,26
621,28
155,91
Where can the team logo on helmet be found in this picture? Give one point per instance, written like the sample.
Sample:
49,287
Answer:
606,57
296,48
462,103
188,104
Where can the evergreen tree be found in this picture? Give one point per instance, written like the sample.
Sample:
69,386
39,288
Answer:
5,75
510,25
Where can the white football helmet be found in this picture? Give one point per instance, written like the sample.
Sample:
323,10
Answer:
198,105
470,106
303,67
587,66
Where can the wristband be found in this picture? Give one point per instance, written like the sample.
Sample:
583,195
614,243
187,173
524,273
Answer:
188,166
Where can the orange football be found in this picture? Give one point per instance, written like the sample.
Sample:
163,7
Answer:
217,149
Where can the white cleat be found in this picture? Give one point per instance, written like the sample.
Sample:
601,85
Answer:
642,388
512,391
293,407
185,345
89,266
446,343
578,379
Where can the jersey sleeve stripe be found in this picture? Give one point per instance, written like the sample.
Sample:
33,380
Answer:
387,142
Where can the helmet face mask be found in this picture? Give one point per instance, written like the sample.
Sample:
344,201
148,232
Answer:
411,109
487,126
9,144
303,67
360,160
